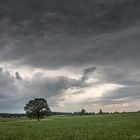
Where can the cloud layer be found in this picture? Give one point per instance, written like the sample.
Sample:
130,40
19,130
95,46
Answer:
75,53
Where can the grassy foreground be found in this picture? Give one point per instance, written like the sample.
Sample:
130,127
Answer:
99,127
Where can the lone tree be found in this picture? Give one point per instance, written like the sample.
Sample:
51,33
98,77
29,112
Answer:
100,111
37,108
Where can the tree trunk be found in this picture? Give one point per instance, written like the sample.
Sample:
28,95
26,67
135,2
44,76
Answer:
38,118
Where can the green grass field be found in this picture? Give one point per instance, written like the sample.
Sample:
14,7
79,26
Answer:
98,127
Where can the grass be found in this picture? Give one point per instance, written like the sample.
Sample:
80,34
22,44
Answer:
99,127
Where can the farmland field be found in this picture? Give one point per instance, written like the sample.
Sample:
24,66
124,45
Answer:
98,127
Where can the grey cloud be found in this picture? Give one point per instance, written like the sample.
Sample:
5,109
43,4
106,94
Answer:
87,72
39,86
7,87
126,94
124,75
18,77
130,92
51,86
1,69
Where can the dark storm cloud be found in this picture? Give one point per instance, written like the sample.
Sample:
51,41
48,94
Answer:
37,32
56,51
24,17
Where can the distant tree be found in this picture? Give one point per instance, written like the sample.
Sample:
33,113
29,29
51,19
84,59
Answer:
100,112
37,108
83,111
116,112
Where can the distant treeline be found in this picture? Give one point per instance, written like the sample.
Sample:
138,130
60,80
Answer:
10,115
73,113
82,112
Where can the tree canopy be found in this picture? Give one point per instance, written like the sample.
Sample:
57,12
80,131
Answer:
37,108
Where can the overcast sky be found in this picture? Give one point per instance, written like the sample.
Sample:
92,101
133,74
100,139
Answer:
74,53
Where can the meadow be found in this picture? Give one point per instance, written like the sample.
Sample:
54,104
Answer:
96,127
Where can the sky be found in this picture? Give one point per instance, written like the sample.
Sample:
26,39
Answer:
74,53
